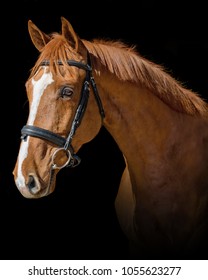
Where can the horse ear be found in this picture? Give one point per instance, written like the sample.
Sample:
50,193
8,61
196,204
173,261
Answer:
39,38
69,33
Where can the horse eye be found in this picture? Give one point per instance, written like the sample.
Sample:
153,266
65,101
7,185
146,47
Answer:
66,92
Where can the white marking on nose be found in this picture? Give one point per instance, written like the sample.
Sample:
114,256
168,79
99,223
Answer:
39,87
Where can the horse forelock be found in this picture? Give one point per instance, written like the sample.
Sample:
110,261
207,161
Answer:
128,65
58,49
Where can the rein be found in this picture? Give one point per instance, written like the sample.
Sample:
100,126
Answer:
64,144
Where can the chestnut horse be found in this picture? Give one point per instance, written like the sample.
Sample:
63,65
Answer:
75,87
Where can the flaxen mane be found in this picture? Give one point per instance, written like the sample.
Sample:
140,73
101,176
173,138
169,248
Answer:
127,65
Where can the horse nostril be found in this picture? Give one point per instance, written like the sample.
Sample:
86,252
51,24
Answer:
32,185
31,182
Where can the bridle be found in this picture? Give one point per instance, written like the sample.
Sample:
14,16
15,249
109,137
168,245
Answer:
64,144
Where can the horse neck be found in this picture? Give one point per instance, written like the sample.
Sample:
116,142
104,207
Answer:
134,115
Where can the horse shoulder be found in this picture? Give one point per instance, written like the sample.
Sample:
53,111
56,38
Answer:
125,203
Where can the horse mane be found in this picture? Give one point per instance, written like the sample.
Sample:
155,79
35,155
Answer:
128,65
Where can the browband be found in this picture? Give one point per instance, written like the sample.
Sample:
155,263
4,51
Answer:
75,63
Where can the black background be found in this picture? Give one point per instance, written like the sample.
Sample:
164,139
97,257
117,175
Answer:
78,220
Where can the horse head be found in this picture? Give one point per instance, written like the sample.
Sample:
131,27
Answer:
62,114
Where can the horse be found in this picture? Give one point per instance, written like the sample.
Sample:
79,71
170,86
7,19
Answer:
160,126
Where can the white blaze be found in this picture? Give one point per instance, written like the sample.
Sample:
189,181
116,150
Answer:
39,87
